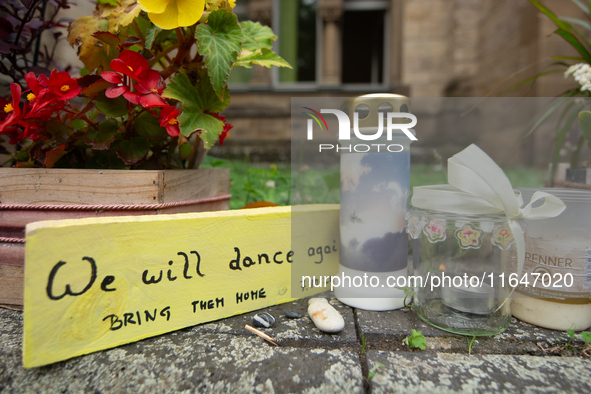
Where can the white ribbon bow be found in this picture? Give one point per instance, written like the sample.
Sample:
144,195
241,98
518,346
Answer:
477,185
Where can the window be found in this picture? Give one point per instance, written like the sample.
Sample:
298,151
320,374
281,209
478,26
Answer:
297,40
363,47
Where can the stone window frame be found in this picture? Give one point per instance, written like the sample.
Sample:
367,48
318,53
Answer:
333,12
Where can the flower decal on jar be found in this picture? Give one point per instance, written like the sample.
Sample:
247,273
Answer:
502,237
413,226
435,230
469,237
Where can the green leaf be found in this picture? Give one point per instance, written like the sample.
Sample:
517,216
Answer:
257,36
371,375
134,150
212,127
59,131
111,107
197,99
101,139
575,43
363,343
409,291
585,125
266,58
148,126
151,36
576,21
550,14
416,339
586,336
114,3
220,41
565,30
199,94
163,36
78,124
571,333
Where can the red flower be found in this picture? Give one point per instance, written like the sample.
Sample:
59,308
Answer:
168,119
116,90
136,67
224,134
130,63
37,96
151,87
12,109
227,127
63,85
37,85
120,88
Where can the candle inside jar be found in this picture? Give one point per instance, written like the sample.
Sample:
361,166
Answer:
478,300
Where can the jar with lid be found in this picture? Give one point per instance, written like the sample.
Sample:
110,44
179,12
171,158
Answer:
462,264
558,255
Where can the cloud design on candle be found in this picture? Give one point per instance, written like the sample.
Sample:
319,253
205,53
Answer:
352,170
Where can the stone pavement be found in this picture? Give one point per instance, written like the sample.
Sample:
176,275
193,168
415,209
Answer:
224,357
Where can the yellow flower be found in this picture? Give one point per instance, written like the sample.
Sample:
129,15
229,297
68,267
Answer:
232,3
170,14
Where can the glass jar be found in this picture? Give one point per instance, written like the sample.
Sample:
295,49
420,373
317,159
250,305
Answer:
461,270
558,253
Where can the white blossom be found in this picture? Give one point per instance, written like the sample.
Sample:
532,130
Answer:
581,73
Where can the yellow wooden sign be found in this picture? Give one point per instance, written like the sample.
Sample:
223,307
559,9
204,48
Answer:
92,284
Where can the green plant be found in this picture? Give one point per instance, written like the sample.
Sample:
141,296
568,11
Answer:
579,68
409,292
372,373
362,343
154,84
572,335
416,339
470,345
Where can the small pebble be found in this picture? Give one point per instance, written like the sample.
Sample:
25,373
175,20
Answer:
324,316
292,314
264,320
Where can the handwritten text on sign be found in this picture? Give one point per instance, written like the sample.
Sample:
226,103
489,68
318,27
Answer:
92,284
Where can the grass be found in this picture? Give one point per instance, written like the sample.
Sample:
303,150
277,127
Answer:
275,182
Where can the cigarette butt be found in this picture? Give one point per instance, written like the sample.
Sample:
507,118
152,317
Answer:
261,334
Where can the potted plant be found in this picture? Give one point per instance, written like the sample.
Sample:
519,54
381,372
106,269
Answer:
579,68
149,98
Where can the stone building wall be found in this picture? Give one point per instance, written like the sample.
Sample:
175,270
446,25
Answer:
428,46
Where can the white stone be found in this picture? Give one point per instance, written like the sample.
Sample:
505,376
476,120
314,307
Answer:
324,316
